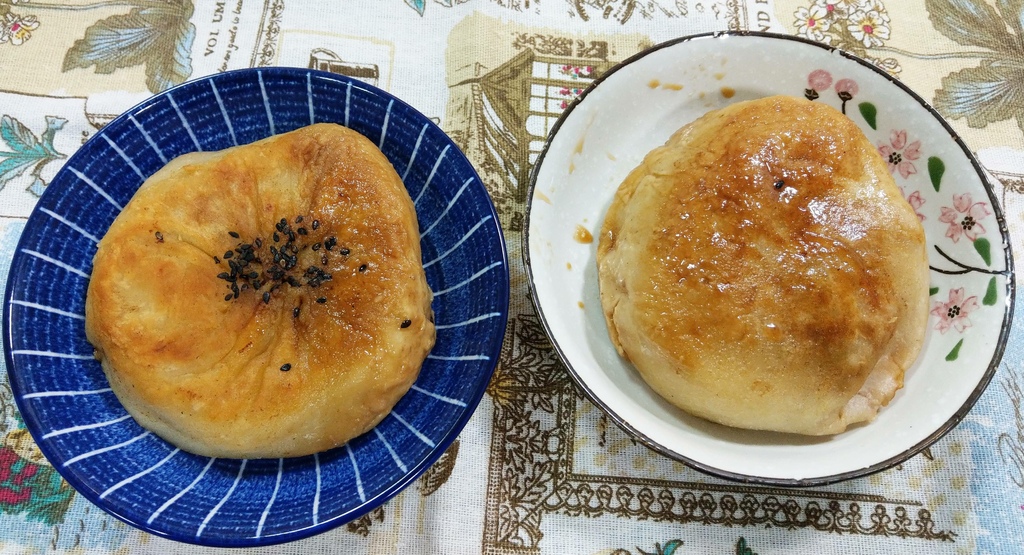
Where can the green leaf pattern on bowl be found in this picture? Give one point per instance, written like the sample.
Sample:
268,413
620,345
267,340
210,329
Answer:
951,219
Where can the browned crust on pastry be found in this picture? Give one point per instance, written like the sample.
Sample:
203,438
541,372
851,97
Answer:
762,270
205,373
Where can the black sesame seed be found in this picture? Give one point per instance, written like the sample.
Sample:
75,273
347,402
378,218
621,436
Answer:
286,367
266,297
228,297
316,224
362,267
330,242
316,246
344,252
298,219
323,259
216,260
159,237
258,242
301,231
277,238
295,312
228,254
406,323
779,184
233,234
321,300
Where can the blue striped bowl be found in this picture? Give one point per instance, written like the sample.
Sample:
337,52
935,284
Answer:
88,436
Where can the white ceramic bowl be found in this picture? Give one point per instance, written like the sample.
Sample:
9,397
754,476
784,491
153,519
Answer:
635,107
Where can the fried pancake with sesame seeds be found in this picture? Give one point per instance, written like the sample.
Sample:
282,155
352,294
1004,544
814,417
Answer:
268,300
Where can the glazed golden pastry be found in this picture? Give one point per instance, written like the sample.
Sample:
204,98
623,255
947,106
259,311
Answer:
226,349
762,270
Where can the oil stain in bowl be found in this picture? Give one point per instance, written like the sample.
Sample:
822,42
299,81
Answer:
578,150
655,83
582,235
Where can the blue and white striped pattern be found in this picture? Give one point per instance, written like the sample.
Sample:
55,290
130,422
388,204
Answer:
86,433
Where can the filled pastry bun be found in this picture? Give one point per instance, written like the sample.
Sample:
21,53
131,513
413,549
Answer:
267,300
762,270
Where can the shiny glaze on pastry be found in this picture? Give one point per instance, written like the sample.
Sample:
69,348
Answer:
762,270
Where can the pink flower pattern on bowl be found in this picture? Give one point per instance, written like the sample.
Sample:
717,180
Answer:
819,80
920,174
899,155
916,201
964,218
955,311
847,89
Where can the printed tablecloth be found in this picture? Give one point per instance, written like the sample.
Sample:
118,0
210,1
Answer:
538,469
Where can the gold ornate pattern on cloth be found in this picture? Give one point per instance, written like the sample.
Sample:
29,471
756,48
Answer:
539,469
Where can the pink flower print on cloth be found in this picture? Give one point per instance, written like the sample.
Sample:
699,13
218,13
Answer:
954,312
900,155
812,23
869,23
17,29
837,8
964,218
